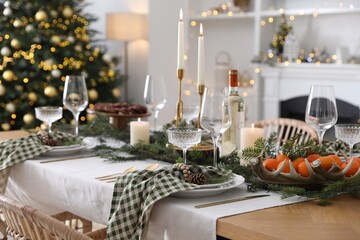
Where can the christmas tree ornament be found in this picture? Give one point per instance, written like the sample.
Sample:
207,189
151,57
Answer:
107,58
67,12
7,4
49,62
15,44
93,94
28,118
32,97
29,28
56,39
50,91
85,38
71,39
5,51
17,23
10,107
56,73
54,13
6,126
8,75
116,92
19,88
41,16
78,48
37,39
7,12
2,90
102,74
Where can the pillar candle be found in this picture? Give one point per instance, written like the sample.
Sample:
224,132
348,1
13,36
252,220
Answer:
139,132
180,49
248,136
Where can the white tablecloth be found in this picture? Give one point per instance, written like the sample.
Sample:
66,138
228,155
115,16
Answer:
71,186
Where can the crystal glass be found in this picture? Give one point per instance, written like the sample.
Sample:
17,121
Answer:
215,115
49,114
75,97
321,111
155,95
184,138
349,133
190,113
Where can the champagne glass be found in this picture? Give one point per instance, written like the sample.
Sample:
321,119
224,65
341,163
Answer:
215,115
184,138
349,133
155,96
321,111
49,114
75,97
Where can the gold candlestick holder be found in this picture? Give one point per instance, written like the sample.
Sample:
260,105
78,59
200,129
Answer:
179,105
200,90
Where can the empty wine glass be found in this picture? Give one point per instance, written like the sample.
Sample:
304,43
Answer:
75,97
321,111
48,114
155,96
184,138
215,115
349,133
190,113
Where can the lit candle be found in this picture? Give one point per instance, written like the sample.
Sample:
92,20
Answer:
180,50
248,136
139,132
201,57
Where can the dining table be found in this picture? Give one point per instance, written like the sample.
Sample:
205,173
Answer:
295,219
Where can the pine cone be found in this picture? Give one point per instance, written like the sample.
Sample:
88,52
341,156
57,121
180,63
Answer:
197,178
185,170
46,139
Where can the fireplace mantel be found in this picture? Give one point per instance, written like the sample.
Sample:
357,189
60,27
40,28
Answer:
282,82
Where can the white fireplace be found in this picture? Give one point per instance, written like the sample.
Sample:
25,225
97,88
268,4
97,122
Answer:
283,82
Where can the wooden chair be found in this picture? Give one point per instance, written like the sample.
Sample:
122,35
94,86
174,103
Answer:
25,222
286,128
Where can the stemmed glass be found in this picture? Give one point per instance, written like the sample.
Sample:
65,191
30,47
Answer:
49,114
155,95
215,115
184,138
321,111
75,97
349,133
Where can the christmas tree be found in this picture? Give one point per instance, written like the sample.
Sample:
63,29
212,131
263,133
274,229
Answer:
42,41
277,44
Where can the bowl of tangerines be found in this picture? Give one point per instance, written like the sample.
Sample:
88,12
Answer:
305,163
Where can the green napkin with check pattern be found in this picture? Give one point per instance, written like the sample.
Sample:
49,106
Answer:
15,151
134,196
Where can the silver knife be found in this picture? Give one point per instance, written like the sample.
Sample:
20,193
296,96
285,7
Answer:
230,201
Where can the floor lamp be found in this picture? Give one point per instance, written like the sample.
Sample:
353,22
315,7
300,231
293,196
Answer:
126,27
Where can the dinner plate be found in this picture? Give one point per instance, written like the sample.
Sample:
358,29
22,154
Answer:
64,150
217,185
208,192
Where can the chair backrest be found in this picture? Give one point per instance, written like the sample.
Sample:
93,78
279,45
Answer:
286,128
25,222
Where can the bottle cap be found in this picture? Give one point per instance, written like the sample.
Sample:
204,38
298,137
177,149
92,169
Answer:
233,81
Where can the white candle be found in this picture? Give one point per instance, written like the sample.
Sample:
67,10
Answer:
180,49
248,136
201,57
139,132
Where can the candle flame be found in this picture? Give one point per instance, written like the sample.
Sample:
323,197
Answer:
181,15
139,119
252,125
201,30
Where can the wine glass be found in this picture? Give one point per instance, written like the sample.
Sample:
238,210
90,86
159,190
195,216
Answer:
155,95
190,113
49,114
184,138
321,111
349,133
215,115
75,97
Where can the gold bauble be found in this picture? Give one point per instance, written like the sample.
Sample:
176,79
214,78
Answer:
6,126
2,90
28,118
15,43
56,39
67,12
40,16
17,23
10,107
93,94
50,91
85,38
32,97
90,117
116,92
8,75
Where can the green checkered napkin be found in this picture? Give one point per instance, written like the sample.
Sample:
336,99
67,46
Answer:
17,150
134,196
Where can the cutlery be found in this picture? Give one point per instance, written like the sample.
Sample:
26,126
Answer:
115,175
151,167
230,201
67,158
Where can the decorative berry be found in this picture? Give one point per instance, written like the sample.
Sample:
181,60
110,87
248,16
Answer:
197,178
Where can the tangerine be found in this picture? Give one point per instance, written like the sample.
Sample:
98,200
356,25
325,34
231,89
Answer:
282,157
313,157
338,160
327,162
353,169
303,170
270,164
357,159
286,168
297,161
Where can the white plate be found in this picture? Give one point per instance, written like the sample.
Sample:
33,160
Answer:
64,150
217,185
207,192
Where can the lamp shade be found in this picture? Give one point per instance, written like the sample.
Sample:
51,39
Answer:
126,26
